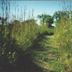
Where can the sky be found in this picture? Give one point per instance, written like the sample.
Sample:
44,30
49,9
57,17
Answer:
33,8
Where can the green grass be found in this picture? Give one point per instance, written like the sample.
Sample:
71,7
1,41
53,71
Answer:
57,56
50,48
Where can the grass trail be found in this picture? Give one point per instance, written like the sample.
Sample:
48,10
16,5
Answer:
45,56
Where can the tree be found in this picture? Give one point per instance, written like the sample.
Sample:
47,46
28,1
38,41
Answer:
46,19
57,15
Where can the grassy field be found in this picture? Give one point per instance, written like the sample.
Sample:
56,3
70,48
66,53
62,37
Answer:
26,46
25,43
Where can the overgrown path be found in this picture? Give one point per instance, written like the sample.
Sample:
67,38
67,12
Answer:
39,52
27,63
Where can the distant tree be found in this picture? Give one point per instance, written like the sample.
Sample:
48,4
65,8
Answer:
46,19
3,20
57,15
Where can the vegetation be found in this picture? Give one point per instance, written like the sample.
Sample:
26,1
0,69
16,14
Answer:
46,19
26,46
58,54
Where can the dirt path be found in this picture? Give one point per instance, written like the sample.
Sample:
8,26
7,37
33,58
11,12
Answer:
26,63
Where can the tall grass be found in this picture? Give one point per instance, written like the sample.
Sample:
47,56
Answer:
17,38
63,41
25,33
